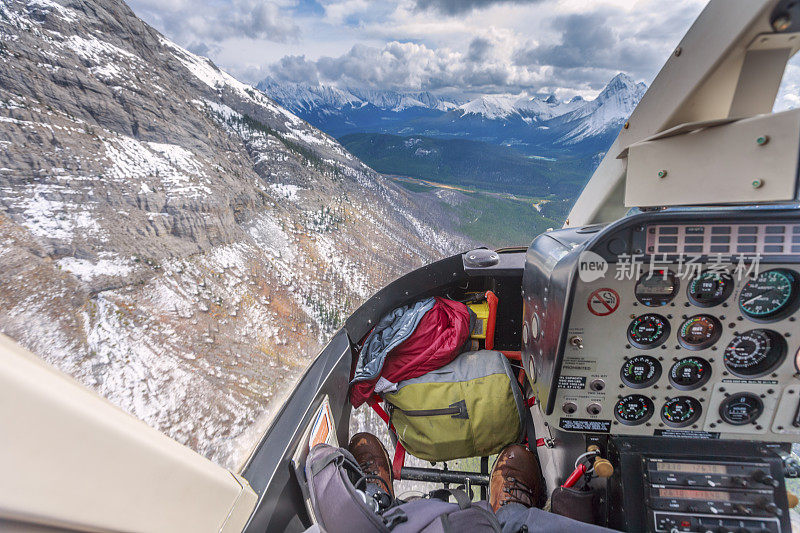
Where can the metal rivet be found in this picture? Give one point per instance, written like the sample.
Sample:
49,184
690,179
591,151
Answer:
662,173
757,183
761,141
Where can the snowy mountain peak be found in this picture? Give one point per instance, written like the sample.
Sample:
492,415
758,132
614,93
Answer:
608,111
622,85
490,106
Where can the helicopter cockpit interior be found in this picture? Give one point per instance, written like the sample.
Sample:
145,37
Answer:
655,338
666,343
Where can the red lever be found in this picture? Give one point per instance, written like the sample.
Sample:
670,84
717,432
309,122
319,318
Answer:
576,474
492,300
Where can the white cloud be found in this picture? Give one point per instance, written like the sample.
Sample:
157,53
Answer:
495,46
457,7
199,25
338,12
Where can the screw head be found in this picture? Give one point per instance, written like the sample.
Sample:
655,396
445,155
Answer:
662,173
757,183
761,141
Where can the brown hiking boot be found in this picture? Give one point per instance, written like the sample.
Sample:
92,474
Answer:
515,477
373,459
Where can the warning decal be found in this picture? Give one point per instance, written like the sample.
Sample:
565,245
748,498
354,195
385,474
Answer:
572,382
603,302
585,425
323,429
685,434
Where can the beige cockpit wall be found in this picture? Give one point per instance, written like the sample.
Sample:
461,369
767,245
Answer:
70,460
716,89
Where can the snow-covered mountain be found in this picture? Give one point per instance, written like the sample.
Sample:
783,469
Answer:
171,237
298,97
533,121
610,109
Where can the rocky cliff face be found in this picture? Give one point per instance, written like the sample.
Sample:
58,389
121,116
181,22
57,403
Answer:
171,237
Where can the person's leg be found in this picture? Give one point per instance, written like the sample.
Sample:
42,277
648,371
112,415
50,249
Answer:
516,488
516,518
512,517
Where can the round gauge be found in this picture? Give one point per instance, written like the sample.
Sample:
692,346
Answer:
633,409
681,411
689,373
656,288
699,331
770,295
755,353
648,331
710,289
741,408
640,371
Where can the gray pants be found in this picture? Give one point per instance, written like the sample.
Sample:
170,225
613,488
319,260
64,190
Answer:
515,517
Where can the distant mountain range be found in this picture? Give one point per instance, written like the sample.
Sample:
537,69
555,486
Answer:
539,124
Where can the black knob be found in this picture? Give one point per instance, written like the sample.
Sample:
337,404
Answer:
739,481
771,508
762,477
744,510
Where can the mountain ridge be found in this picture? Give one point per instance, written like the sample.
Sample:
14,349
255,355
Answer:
537,120
173,238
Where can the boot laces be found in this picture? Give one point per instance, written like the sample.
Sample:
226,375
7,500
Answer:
370,473
515,491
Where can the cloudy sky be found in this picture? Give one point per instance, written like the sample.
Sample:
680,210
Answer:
448,46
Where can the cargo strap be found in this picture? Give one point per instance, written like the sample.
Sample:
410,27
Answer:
459,496
373,402
399,460
399,450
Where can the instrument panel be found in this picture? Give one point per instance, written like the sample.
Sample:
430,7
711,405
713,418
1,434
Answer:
701,346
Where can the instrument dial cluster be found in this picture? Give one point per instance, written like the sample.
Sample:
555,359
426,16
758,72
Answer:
707,354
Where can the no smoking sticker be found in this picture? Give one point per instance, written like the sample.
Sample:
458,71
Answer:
603,302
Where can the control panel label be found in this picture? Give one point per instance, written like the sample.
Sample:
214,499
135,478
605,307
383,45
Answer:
572,382
603,302
585,424
674,433
752,381
577,363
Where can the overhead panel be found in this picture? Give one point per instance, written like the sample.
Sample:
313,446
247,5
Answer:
747,161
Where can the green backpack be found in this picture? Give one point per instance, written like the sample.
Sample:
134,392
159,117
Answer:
471,407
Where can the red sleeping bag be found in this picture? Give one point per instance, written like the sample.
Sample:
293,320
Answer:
438,339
